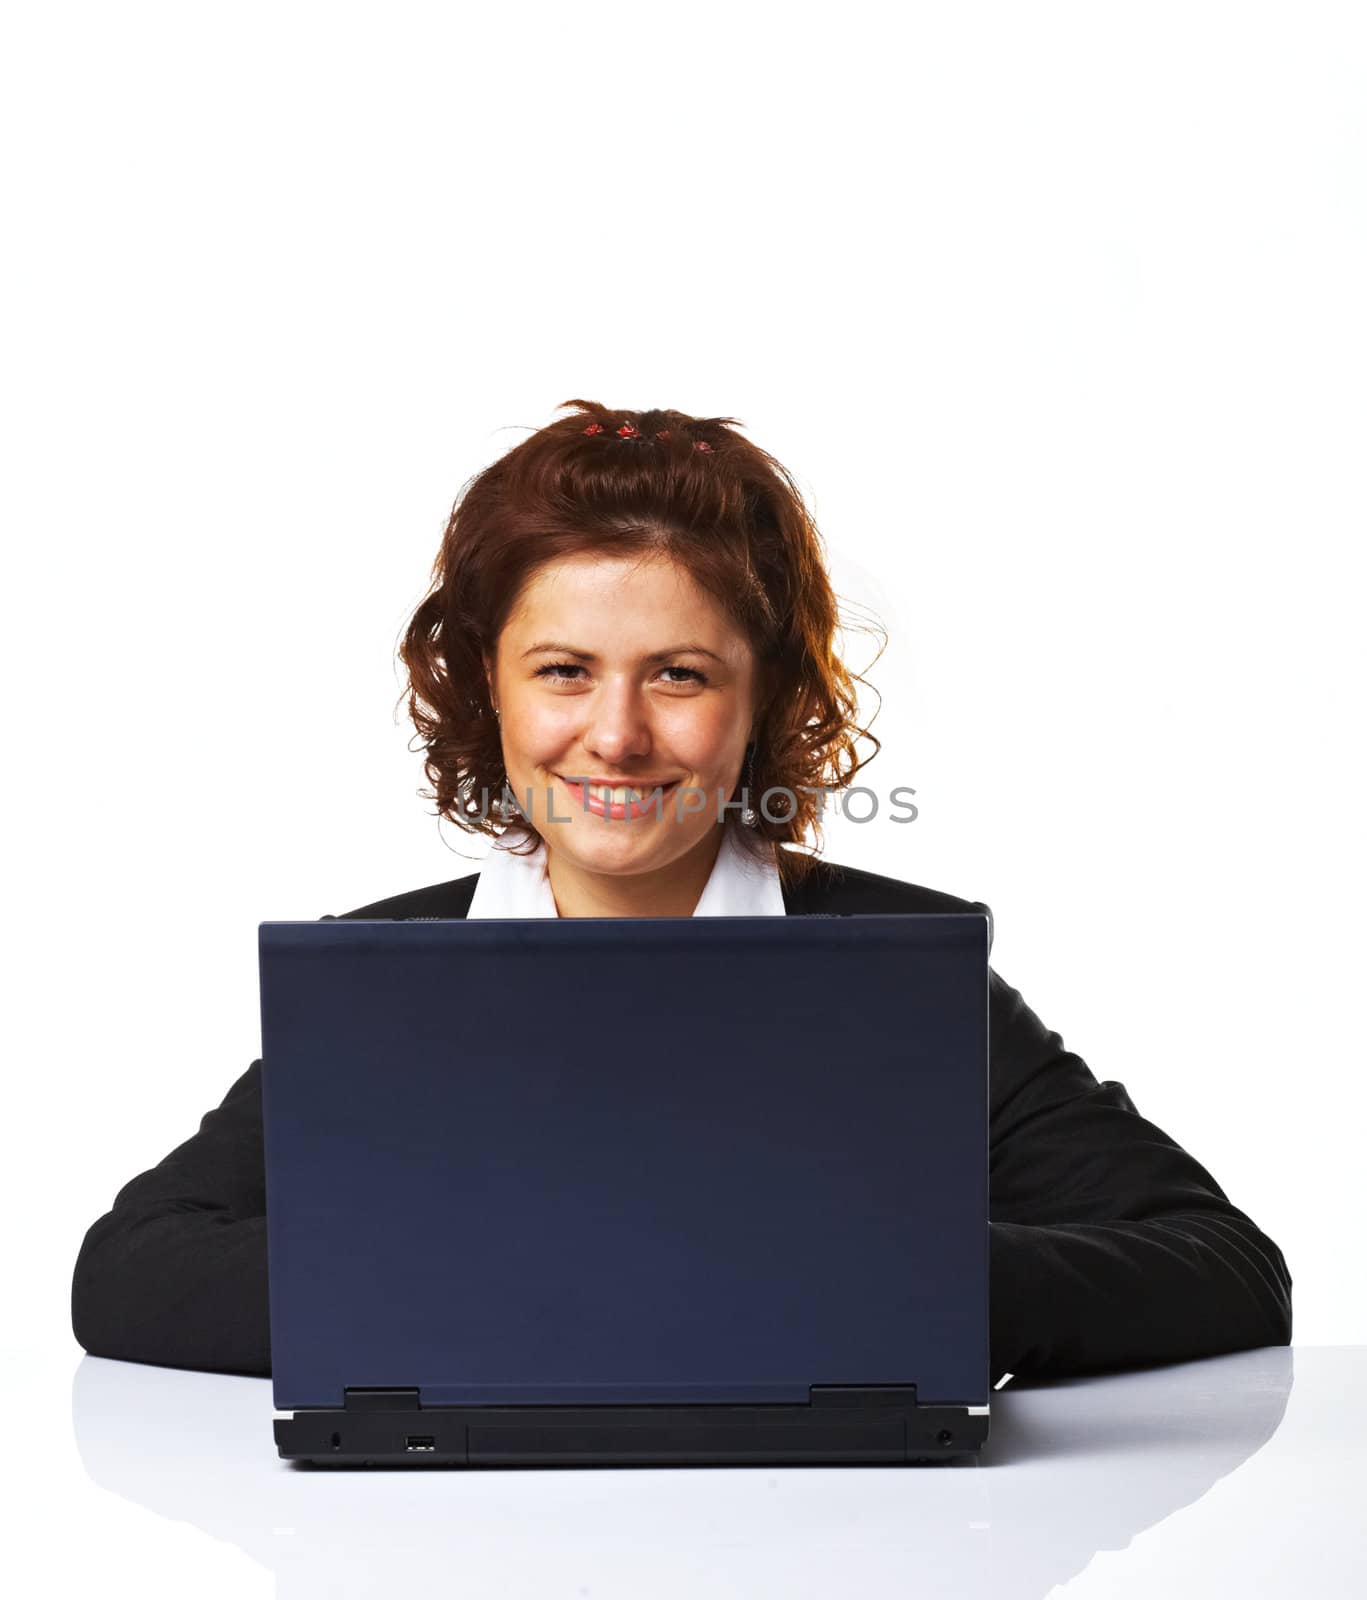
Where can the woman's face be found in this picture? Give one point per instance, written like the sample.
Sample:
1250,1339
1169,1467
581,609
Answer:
627,673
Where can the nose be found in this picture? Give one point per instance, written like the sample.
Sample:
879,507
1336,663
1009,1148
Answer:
618,728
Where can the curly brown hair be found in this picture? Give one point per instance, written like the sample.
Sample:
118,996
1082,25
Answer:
639,483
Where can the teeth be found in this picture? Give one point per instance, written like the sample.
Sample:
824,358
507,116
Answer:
619,797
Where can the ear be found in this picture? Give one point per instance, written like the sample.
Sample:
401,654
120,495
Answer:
765,687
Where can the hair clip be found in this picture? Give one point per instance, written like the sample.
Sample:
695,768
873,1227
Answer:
629,430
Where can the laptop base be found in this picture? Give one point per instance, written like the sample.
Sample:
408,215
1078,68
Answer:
839,1425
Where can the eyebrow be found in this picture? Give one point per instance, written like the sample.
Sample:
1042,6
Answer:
656,655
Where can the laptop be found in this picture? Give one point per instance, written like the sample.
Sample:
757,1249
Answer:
627,1191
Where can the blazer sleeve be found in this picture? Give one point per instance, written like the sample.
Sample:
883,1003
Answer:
175,1273
1110,1247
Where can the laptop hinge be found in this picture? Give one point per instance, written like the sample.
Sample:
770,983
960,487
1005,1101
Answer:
857,1394
381,1399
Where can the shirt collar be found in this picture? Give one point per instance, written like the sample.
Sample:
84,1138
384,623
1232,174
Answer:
511,885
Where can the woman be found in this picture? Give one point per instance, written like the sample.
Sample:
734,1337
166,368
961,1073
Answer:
638,601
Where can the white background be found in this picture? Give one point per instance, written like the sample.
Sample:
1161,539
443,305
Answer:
1055,311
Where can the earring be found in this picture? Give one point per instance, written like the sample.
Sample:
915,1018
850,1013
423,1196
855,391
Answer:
749,816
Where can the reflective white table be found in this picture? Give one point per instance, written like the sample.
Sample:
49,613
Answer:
1245,1472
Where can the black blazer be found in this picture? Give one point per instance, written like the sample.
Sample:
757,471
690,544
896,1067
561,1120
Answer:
1110,1246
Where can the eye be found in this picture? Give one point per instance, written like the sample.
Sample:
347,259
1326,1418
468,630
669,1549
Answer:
553,670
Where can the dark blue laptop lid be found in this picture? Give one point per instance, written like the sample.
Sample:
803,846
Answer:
627,1160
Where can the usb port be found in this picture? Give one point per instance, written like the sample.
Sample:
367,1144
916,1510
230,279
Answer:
420,1441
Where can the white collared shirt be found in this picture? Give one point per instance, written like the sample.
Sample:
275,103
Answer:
510,885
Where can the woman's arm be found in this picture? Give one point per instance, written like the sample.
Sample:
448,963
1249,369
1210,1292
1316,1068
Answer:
1110,1246
175,1273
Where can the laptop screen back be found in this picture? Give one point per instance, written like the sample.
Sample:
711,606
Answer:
627,1160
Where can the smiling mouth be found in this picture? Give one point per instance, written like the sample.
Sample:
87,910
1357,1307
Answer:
618,800
636,788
